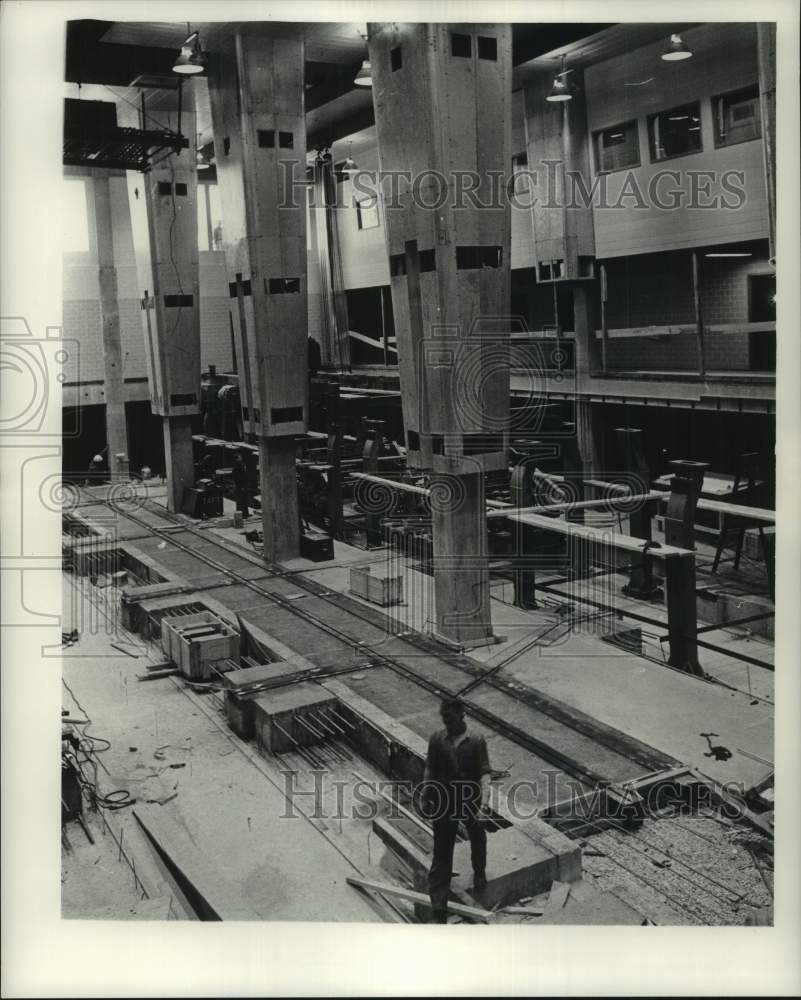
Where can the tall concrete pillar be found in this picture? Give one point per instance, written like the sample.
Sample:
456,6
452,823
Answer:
442,98
766,54
178,458
557,143
371,450
588,360
114,382
256,90
171,192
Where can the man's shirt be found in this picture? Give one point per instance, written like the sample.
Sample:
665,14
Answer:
463,758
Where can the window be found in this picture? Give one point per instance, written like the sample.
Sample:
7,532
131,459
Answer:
461,46
737,116
520,173
367,213
675,132
487,48
74,216
395,58
617,147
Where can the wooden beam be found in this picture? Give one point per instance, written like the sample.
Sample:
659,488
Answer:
471,912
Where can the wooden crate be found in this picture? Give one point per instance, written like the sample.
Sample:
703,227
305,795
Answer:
194,643
378,588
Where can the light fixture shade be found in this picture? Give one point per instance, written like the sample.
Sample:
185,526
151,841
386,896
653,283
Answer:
191,59
676,50
349,167
560,90
364,78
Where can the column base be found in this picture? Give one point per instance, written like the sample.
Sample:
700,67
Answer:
460,646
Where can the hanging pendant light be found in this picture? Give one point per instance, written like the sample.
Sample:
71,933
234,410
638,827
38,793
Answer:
560,91
349,167
191,59
364,78
676,50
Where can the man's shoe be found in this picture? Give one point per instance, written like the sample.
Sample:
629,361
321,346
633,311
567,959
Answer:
439,916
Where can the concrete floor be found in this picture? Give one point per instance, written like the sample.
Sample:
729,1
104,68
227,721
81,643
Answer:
660,706
281,868
295,869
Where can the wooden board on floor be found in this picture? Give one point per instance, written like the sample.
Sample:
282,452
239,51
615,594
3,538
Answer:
471,912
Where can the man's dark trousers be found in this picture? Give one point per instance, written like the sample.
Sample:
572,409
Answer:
439,877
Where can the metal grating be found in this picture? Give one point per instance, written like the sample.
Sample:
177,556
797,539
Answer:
120,148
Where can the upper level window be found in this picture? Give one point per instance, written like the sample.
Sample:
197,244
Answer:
617,147
367,213
675,132
737,116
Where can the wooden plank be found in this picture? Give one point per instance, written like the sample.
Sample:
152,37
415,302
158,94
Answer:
471,912
406,850
557,899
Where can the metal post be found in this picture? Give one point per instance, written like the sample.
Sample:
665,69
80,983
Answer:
604,322
699,323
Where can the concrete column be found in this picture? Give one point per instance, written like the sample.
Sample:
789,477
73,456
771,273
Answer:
114,382
178,458
522,494
279,498
442,99
334,462
256,92
171,192
373,433
461,571
766,54
557,141
588,360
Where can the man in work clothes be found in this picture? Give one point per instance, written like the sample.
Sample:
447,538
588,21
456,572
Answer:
455,789
239,474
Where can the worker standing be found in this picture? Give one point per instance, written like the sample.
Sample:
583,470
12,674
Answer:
455,789
239,474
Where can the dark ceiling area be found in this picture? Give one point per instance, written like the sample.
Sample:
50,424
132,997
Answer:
135,54
91,60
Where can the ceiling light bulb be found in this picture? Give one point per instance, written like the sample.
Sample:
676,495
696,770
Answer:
676,50
364,78
191,59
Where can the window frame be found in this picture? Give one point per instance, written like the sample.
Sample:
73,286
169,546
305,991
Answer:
722,143
595,152
667,111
